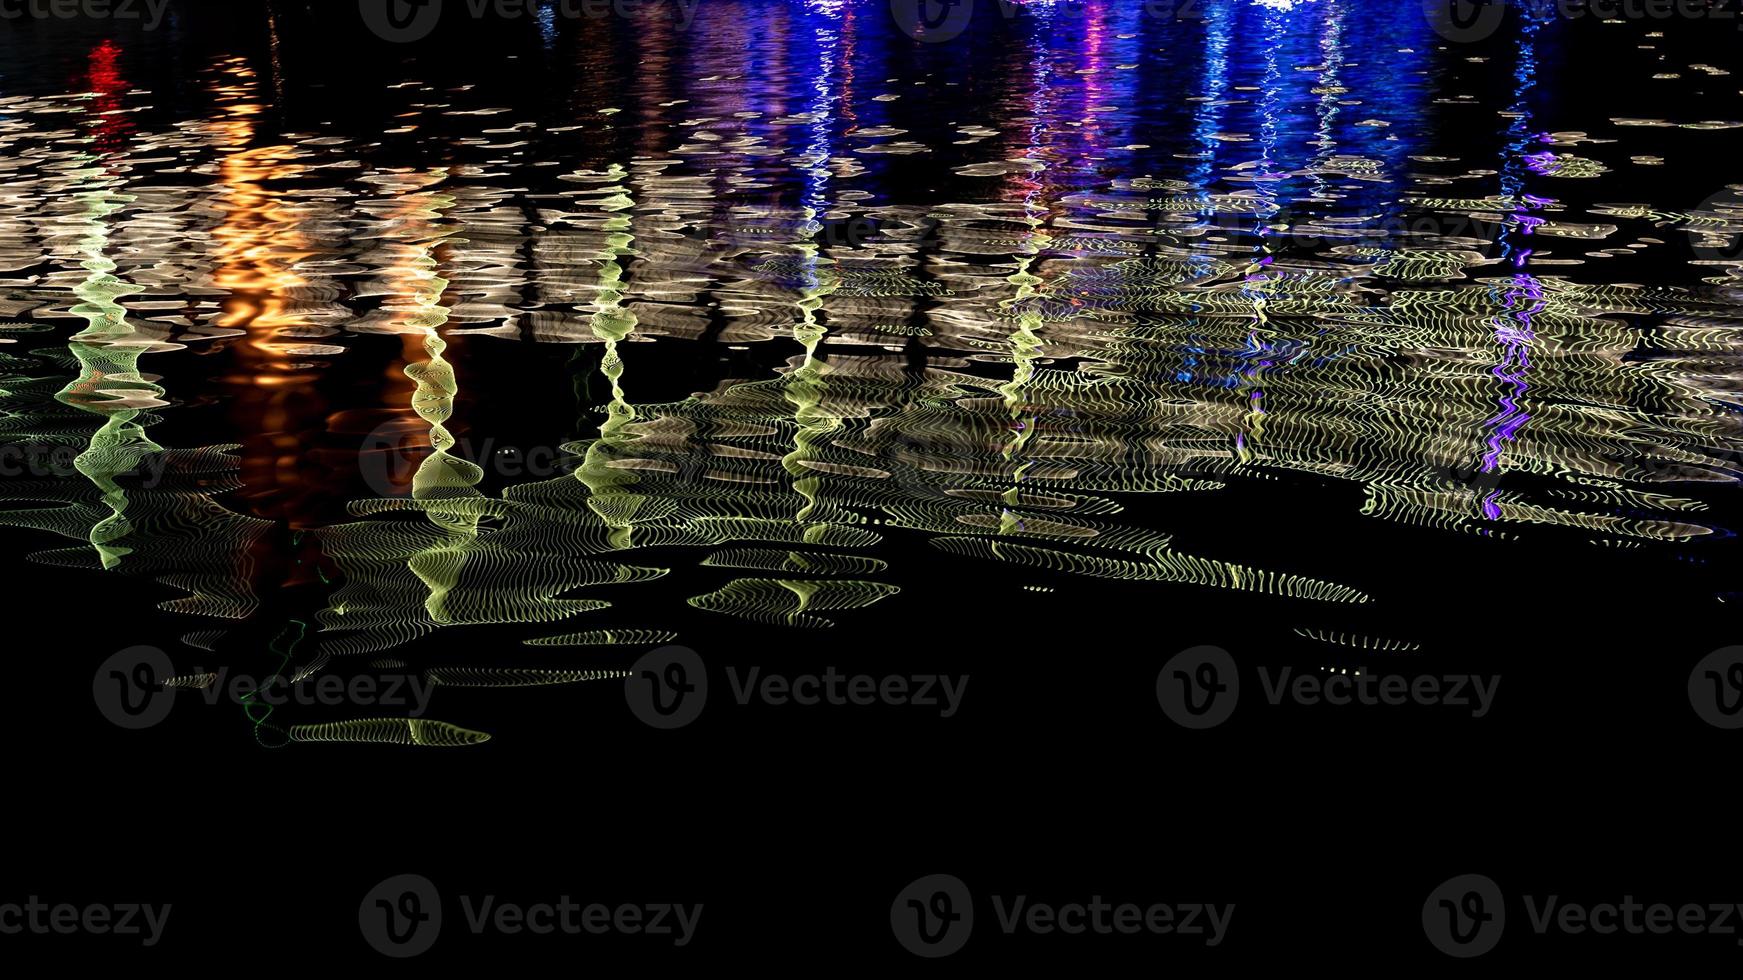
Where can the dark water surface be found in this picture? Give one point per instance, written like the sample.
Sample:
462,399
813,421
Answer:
1041,352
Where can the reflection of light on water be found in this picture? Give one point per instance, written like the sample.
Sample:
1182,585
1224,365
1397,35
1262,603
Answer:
107,349
109,382
1056,340
256,251
806,385
107,84
446,482
610,488
1523,296
547,16
258,240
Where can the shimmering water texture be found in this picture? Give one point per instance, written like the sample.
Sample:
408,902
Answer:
1037,299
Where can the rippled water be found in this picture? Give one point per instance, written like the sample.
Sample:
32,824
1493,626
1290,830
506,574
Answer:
604,334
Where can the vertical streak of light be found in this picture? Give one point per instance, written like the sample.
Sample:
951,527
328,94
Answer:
1258,283
1331,54
1522,297
258,247
1025,339
418,289
107,349
609,496
806,386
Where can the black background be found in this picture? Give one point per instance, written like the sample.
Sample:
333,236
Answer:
1060,779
